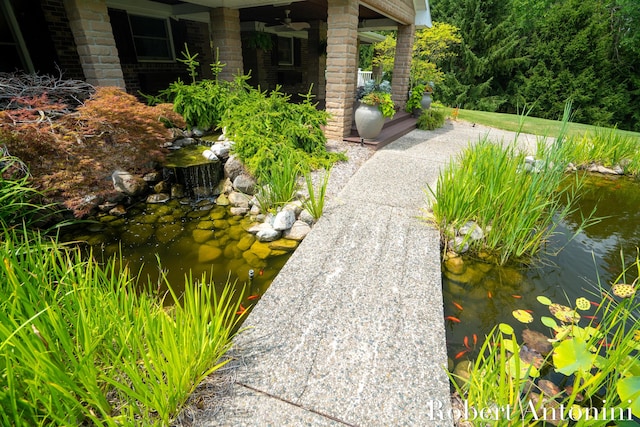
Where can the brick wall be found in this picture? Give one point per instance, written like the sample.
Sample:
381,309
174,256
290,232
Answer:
225,34
58,25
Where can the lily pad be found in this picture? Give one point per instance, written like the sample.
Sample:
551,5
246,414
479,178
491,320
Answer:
623,290
544,300
583,304
629,390
522,316
572,355
549,322
564,313
505,328
537,341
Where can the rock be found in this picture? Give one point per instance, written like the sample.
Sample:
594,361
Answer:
233,167
261,249
225,186
284,220
221,149
455,265
205,225
537,341
603,170
137,234
167,233
209,155
265,233
238,211
298,231
152,177
127,183
530,160
201,236
118,210
462,372
458,244
255,210
306,216
183,142
223,200
177,191
239,199
198,132
246,242
245,183
472,230
202,192
283,244
253,260
295,206
207,253
162,187
158,198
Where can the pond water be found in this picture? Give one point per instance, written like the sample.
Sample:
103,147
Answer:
478,296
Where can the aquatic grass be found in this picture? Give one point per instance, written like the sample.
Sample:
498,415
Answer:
606,147
315,202
79,344
490,185
16,193
279,184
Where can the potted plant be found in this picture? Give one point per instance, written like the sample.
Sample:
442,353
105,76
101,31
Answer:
419,98
374,108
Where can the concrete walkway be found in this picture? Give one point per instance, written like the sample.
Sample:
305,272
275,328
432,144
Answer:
351,332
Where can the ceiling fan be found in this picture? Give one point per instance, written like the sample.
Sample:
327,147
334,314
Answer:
287,25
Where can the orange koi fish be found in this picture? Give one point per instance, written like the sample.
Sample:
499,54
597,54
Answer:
489,294
475,340
252,297
453,319
459,355
458,306
517,296
241,311
466,342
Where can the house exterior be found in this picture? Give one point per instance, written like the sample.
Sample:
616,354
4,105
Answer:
134,44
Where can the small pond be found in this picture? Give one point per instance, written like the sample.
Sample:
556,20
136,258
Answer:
478,296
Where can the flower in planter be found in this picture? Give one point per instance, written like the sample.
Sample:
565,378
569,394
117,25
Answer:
382,100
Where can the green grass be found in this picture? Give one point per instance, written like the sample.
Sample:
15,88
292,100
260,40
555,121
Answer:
80,345
532,125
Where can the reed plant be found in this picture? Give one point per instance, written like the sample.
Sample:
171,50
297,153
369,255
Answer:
279,183
488,184
80,345
607,147
314,204
16,194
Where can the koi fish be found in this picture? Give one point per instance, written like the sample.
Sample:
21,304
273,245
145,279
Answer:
453,319
466,342
528,311
261,272
517,296
252,297
241,311
459,355
595,304
590,317
458,306
489,294
475,340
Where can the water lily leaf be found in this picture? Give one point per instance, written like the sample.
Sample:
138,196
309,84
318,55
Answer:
572,355
583,304
511,346
543,300
522,316
623,290
519,369
629,390
505,328
549,322
537,341
564,313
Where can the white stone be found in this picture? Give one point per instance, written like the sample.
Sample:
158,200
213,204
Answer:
284,219
209,155
298,231
239,199
221,149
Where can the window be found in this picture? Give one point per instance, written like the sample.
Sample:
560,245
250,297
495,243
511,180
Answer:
151,38
285,50
12,49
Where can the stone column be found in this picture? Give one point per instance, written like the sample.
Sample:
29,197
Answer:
402,65
93,36
227,42
342,65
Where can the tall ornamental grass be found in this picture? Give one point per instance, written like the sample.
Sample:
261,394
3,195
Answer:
16,194
79,345
517,209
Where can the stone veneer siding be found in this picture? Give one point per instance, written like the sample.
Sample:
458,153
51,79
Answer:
342,65
89,22
225,33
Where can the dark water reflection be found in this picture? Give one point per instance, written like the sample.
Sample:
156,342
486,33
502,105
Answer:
568,269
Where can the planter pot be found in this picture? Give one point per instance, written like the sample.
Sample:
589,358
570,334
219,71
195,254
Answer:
426,101
369,121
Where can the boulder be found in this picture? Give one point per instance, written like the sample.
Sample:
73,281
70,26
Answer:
127,183
158,198
298,231
233,167
221,149
245,183
239,200
284,219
